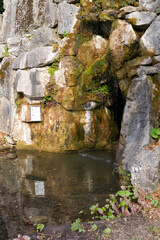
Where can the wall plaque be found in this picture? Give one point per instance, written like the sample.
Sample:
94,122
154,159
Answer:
39,188
35,113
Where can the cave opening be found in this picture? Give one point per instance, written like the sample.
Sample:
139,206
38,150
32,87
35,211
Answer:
1,7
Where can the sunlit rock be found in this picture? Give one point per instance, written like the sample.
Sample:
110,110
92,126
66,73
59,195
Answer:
68,74
20,18
145,169
136,123
125,10
2,50
150,5
92,50
43,37
122,42
38,57
141,19
32,83
67,17
150,41
50,18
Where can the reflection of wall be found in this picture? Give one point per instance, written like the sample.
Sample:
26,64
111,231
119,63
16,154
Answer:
48,187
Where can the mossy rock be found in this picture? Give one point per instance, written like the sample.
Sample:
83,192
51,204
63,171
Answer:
88,6
73,43
129,66
116,4
108,15
92,75
88,53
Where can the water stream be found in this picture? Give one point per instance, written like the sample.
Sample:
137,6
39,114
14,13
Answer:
52,188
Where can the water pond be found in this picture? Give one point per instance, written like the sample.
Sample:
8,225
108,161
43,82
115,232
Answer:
52,188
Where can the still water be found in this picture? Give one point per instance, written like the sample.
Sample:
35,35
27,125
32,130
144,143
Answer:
52,188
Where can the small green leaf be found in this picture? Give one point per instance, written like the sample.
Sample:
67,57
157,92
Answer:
153,133
158,131
94,227
107,206
40,227
149,197
107,231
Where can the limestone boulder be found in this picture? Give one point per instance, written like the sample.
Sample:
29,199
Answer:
14,45
68,1
122,42
2,50
150,5
21,130
43,36
147,69
132,69
92,50
141,19
50,17
126,10
136,123
6,95
156,59
67,97
6,78
67,17
136,62
150,41
69,72
145,169
63,130
5,111
38,57
22,16
32,82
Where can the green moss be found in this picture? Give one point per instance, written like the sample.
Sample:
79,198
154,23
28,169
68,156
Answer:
92,75
79,132
84,87
55,65
5,52
106,16
132,20
78,67
79,40
116,4
55,47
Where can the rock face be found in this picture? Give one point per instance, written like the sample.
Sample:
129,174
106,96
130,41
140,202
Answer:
38,57
151,38
150,5
66,17
136,121
122,40
141,19
70,71
43,101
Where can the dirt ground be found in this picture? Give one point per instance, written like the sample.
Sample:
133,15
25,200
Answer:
136,227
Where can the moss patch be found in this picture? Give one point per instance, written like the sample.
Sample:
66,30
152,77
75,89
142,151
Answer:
92,75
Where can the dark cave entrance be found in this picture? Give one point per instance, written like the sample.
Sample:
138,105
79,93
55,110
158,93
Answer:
1,7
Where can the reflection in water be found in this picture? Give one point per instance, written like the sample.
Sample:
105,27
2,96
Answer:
52,188
39,188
